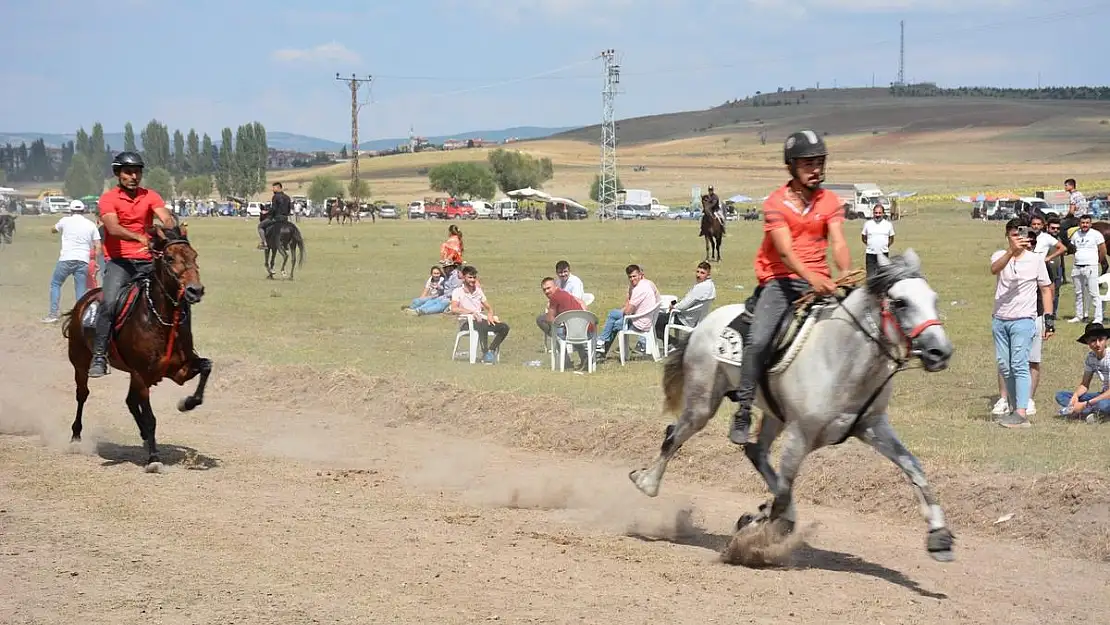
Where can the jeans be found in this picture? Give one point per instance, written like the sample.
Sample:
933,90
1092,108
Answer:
1085,280
614,323
1012,340
773,305
62,270
117,273
1063,398
430,305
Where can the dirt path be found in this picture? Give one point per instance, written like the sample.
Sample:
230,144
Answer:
281,511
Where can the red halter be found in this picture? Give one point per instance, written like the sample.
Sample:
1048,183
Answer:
889,318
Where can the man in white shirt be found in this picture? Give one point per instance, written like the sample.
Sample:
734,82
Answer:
569,282
878,235
1090,252
80,239
702,292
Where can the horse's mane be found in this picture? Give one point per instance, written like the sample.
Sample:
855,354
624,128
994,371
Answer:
884,277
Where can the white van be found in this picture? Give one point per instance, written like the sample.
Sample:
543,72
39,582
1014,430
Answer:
254,209
506,208
416,209
482,209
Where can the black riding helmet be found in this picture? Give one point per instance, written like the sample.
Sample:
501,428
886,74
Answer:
804,144
126,159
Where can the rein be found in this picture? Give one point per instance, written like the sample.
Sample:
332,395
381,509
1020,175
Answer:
176,303
887,318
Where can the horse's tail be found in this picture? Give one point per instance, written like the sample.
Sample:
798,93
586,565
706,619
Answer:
298,244
65,322
674,377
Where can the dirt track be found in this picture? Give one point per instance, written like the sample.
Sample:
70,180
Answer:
278,509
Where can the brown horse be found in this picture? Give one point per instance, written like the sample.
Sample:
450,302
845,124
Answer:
152,334
339,211
712,230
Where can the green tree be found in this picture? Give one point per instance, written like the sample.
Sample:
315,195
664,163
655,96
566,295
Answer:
98,152
595,187
343,152
208,156
81,179
242,166
463,180
160,180
192,154
322,187
516,170
156,145
261,152
361,190
129,138
196,186
225,163
81,144
178,163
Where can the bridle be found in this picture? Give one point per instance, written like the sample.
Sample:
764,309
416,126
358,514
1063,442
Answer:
180,311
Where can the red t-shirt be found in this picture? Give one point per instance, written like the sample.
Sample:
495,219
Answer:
561,301
135,215
809,230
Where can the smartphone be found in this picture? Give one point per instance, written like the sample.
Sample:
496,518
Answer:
1023,232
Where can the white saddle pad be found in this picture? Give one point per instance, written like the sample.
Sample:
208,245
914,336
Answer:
730,347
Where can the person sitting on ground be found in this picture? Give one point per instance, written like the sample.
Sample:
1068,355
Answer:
433,290
1082,403
643,297
560,301
703,291
452,279
452,248
470,299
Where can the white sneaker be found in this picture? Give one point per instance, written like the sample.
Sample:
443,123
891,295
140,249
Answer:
49,319
1031,409
1074,320
1001,407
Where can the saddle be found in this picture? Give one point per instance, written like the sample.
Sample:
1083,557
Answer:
123,306
793,328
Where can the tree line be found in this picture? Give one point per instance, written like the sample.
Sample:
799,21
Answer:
181,164
928,89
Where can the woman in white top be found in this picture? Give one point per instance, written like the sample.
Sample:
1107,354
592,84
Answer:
80,240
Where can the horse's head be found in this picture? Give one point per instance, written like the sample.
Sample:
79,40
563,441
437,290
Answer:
176,261
909,309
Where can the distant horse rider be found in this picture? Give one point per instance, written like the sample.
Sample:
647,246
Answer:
281,208
715,205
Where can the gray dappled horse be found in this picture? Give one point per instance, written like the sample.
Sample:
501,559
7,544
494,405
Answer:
834,386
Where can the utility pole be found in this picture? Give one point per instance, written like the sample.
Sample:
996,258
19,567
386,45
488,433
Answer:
354,83
902,53
607,183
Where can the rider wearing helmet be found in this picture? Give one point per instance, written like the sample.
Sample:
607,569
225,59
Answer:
715,204
801,220
127,211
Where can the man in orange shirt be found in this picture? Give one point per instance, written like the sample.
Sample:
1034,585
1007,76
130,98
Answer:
126,211
800,221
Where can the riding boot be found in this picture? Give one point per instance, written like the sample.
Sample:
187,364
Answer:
99,366
741,423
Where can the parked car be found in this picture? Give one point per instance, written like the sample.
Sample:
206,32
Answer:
388,211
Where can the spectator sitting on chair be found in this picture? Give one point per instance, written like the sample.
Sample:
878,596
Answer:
559,302
642,298
568,281
469,299
703,291
433,291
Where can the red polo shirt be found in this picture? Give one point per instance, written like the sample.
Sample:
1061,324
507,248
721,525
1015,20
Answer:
809,229
134,214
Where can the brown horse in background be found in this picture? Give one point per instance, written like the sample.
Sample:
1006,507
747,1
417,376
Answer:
712,230
152,334
339,211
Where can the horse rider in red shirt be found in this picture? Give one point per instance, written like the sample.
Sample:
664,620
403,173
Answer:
127,211
801,221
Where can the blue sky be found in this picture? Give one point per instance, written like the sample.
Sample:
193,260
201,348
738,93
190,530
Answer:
448,66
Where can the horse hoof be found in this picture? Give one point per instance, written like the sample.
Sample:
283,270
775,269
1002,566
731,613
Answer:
638,478
76,438
153,466
185,404
939,544
744,521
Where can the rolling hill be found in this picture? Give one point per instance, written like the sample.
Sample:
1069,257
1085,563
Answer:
855,111
302,143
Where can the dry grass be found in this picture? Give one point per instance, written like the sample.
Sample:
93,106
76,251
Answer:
961,160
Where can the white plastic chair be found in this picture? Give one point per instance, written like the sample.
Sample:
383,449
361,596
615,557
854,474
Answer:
576,324
472,334
1103,283
697,313
587,299
628,330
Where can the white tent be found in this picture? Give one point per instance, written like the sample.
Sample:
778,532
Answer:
528,193
568,202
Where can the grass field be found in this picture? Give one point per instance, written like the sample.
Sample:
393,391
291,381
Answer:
343,312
